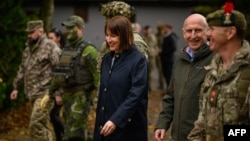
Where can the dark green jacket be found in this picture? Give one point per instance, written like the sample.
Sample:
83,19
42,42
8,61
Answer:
181,102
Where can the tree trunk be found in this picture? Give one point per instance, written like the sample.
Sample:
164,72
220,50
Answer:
47,11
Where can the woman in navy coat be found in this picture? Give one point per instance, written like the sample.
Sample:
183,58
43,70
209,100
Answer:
121,113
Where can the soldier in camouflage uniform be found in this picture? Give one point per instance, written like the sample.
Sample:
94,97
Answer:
226,88
112,9
151,41
159,36
76,74
35,72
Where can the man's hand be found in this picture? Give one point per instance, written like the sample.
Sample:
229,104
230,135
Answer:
159,134
44,101
13,95
108,128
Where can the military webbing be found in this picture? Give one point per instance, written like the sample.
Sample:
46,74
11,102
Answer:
243,86
68,59
244,81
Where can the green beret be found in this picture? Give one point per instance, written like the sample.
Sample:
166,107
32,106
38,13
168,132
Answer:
74,21
33,25
219,18
115,8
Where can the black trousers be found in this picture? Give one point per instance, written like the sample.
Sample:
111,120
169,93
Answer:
167,69
57,122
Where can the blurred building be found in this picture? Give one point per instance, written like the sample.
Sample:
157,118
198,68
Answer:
149,12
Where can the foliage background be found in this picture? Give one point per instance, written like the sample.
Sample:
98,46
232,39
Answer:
12,38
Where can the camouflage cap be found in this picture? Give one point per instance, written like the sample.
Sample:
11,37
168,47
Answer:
33,25
227,18
114,8
74,20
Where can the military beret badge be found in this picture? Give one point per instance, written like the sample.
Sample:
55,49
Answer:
228,17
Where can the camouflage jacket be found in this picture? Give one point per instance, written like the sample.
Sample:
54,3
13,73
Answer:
35,70
224,98
151,41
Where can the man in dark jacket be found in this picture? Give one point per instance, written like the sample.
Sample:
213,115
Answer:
225,90
180,103
167,54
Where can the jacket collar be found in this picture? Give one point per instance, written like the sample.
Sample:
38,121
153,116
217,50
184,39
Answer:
202,52
241,58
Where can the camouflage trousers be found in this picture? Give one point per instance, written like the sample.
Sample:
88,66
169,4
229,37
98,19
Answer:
76,110
40,126
152,66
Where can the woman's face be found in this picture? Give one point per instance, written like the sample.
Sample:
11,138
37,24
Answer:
53,37
113,41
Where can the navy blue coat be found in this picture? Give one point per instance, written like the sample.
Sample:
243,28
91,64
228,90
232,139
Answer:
123,96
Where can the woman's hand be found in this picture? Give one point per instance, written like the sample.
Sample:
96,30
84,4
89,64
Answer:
108,128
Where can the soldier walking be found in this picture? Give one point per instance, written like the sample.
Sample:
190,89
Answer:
35,72
76,74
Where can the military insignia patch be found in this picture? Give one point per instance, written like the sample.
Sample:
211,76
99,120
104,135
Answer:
213,97
228,17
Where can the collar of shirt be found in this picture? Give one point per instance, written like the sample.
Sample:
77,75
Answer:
116,56
190,53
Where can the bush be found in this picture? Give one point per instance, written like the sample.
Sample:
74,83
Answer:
12,39
2,92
